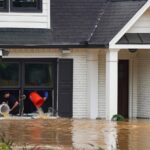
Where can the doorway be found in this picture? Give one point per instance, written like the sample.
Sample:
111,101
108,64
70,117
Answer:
123,88
21,77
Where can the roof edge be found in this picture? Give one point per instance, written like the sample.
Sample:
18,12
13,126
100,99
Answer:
56,46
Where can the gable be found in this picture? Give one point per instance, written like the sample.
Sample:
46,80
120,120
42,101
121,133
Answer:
143,10
142,25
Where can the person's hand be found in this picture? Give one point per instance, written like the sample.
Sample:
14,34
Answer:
44,98
10,110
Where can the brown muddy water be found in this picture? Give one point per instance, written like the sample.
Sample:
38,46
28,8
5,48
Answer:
67,134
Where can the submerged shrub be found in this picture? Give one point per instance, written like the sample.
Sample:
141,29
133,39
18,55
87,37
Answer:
118,117
6,144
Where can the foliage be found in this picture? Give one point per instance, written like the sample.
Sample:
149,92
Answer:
118,117
6,144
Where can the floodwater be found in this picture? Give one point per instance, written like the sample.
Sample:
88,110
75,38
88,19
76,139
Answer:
67,134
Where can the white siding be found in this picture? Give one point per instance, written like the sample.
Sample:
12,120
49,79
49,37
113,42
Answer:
80,83
139,82
143,102
27,20
101,84
142,25
139,79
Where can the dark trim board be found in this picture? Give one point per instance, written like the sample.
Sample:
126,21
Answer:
123,88
65,88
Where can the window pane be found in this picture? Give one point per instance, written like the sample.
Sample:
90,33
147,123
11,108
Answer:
2,4
24,3
9,74
38,75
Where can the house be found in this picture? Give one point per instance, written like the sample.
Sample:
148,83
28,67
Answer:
92,56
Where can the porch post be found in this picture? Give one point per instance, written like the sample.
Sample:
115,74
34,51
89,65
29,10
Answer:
111,83
93,83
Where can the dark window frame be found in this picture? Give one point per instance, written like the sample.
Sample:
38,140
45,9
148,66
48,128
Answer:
27,10
6,6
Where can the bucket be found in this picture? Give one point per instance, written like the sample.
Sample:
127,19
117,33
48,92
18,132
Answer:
4,109
36,99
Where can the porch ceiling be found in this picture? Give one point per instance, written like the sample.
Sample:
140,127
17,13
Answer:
135,38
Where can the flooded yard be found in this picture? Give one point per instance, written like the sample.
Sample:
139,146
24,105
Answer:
66,134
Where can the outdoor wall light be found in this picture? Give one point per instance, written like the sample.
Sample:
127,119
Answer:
132,50
3,52
65,51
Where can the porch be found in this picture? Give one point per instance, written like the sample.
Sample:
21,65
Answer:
127,83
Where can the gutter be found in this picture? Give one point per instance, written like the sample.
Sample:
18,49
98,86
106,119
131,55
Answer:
55,46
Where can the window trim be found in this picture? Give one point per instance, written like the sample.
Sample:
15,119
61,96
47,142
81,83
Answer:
27,10
5,8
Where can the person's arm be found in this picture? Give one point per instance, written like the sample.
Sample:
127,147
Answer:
14,106
45,96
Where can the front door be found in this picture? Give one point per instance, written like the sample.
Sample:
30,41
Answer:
123,87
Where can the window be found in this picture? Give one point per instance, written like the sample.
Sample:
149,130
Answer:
38,75
21,5
26,5
3,5
9,74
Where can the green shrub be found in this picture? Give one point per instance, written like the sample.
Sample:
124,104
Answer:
6,144
118,117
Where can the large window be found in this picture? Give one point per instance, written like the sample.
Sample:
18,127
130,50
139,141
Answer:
21,5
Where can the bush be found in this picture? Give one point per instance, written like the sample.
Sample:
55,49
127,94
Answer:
6,144
118,117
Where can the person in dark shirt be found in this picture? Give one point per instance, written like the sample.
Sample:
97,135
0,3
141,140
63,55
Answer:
12,102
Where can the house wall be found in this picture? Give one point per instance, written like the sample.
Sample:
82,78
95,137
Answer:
101,84
80,70
139,82
142,25
27,20
123,55
139,78
143,101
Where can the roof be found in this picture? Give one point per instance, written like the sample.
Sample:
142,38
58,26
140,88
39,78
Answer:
76,23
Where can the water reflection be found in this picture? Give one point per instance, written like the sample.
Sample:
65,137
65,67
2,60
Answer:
80,134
